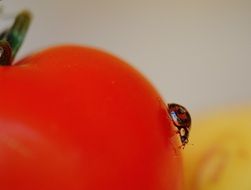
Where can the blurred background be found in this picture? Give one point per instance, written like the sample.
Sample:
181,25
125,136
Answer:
196,52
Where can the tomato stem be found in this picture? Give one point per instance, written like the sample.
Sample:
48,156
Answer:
12,39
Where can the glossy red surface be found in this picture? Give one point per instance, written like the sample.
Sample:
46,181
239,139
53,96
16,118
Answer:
80,119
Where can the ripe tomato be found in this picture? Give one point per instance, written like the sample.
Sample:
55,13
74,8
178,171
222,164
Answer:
76,118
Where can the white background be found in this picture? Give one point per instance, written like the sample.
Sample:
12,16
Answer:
196,52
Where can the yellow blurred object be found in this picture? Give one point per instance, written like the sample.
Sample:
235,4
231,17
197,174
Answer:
219,154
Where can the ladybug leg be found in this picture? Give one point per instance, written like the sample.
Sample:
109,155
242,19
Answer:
178,132
182,146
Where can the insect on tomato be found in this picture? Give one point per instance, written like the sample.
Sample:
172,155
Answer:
74,118
182,120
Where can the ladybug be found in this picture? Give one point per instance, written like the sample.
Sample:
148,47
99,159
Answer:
181,120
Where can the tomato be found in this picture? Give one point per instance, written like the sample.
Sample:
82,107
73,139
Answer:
77,118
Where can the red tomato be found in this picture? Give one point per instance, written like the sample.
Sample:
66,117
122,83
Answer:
75,118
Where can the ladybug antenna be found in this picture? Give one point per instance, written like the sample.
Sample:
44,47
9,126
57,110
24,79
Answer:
12,38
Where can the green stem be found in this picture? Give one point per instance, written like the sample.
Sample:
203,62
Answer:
12,39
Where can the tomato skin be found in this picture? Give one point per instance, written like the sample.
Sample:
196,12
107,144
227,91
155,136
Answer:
77,118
